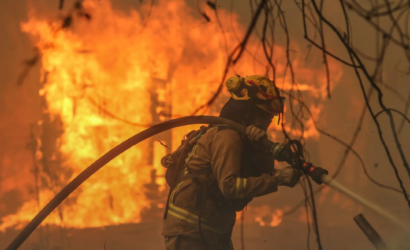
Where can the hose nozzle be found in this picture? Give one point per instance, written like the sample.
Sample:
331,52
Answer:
314,172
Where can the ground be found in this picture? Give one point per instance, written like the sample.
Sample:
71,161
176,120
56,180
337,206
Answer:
147,236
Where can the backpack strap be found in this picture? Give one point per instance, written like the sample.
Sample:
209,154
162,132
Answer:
188,176
185,147
188,148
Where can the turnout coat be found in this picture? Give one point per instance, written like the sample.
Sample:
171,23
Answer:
225,173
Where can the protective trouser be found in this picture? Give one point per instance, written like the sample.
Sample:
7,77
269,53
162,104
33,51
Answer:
181,242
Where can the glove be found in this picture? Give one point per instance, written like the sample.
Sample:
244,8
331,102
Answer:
254,134
281,152
287,176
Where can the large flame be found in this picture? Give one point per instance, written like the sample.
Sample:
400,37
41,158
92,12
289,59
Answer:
101,66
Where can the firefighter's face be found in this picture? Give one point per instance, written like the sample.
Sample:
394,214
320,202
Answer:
260,119
261,122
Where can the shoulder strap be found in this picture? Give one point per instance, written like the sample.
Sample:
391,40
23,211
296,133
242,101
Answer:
188,176
185,147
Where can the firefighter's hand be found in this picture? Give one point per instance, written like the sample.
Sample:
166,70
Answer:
254,134
282,152
287,176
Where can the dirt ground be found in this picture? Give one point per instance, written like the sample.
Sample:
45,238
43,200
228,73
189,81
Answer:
147,236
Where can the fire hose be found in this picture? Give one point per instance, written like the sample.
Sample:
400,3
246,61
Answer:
319,175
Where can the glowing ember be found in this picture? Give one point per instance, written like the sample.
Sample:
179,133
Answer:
266,217
276,218
260,221
102,70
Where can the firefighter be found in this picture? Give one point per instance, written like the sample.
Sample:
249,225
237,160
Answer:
223,171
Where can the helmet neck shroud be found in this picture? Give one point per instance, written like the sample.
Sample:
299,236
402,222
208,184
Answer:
246,113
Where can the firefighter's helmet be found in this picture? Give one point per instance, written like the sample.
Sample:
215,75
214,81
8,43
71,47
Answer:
258,89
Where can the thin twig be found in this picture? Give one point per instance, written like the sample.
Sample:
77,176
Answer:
354,58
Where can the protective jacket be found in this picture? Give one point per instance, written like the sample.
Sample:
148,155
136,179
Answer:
225,173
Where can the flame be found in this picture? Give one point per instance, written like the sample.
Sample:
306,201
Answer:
100,73
260,221
266,217
276,218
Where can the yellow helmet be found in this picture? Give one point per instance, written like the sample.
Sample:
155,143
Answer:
259,89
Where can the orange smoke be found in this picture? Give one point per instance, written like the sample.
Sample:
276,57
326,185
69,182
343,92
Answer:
113,62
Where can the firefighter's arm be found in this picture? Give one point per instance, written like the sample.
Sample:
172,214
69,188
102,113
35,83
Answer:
280,151
225,151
